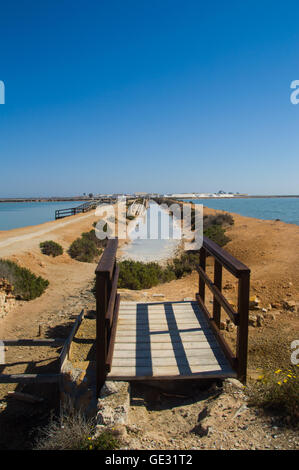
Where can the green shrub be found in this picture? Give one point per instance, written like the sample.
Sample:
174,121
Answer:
51,248
27,286
137,275
217,234
91,235
83,249
278,392
218,219
106,440
185,264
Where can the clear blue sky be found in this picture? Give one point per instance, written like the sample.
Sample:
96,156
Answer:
148,95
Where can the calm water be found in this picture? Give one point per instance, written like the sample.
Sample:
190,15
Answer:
146,249
285,209
21,214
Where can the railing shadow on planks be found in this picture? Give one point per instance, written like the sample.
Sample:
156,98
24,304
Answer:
108,301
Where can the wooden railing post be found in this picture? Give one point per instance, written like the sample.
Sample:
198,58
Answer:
107,303
222,260
242,333
217,283
101,332
202,264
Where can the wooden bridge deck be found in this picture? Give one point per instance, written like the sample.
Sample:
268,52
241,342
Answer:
166,340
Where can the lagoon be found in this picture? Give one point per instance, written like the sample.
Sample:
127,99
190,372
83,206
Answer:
22,214
284,208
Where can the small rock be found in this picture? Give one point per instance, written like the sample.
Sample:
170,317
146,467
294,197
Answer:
254,302
290,305
234,383
252,320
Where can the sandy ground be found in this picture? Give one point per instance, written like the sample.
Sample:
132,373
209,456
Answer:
65,275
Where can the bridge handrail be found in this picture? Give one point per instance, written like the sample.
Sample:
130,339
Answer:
107,308
240,318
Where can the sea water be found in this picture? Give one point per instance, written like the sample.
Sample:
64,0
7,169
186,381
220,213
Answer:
22,214
285,209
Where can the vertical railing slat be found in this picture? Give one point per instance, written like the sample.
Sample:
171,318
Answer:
242,332
218,283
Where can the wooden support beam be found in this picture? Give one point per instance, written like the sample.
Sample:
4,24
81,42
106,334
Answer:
29,378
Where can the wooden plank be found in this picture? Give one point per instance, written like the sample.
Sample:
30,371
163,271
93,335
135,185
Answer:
65,350
26,397
33,342
160,308
165,338
207,359
161,315
171,372
155,353
122,346
29,378
144,329
168,320
161,336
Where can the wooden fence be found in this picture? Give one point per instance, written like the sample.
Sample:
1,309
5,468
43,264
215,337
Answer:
87,206
222,259
107,307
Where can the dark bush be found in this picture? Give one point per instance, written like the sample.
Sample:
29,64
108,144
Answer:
27,286
185,264
217,234
91,235
83,249
137,275
51,248
218,219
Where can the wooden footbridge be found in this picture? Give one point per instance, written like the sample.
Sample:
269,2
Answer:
82,208
158,340
170,340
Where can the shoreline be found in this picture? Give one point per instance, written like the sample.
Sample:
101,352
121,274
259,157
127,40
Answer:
184,201
86,199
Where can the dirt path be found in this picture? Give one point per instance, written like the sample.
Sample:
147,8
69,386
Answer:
66,276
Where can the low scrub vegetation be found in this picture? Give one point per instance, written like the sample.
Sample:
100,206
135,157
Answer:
216,233
83,249
73,431
278,392
27,286
87,247
51,248
184,264
218,219
138,275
